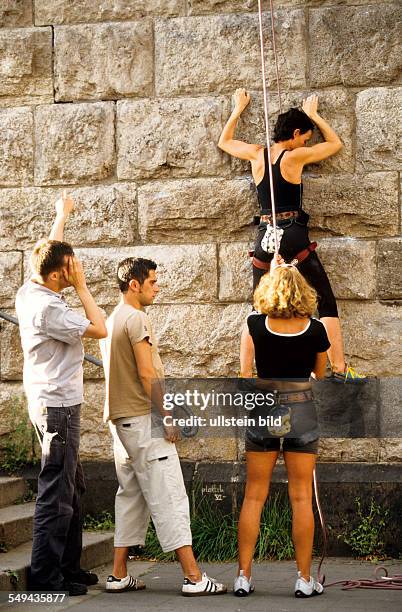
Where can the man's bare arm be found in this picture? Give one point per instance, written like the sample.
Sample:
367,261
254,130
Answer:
152,384
64,207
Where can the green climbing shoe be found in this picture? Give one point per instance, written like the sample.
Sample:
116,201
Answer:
348,376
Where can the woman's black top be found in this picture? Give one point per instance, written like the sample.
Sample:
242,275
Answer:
280,355
288,196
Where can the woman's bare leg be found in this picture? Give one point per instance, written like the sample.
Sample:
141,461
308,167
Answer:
259,471
300,468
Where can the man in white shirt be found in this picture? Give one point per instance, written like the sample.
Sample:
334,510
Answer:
53,381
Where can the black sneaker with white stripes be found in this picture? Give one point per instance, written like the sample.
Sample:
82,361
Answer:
119,585
206,586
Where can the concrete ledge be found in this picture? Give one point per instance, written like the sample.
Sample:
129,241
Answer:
97,549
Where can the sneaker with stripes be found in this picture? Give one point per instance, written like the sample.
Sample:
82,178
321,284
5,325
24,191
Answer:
206,586
119,585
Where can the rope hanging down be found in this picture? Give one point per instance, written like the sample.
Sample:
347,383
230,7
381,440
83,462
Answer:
264,85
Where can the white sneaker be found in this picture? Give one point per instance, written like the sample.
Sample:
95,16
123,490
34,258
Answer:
206,586
119,585
242,586
307,589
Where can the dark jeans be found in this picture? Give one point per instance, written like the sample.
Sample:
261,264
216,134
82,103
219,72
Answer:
57,532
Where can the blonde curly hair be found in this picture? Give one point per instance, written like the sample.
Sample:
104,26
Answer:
284,293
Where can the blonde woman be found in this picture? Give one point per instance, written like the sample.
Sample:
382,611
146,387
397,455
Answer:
289,344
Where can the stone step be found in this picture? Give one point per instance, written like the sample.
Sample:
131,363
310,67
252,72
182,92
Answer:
16,524
11,489
97,550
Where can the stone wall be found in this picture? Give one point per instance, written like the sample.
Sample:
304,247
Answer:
123,102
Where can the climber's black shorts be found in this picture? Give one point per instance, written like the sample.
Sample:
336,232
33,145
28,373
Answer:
289,445
294,239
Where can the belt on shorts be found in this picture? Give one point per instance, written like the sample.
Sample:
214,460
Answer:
292,397
289,214
266,265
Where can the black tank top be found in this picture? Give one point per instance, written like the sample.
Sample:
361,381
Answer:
288,196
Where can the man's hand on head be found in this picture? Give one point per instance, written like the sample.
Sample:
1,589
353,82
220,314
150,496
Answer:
64,205
74,274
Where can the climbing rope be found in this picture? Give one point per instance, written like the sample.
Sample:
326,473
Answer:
391,583
267,136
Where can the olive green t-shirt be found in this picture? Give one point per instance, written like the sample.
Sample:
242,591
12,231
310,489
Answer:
125,395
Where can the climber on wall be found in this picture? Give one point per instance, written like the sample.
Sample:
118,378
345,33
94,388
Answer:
289,155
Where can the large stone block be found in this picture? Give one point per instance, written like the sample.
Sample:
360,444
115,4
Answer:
15,13
74,142
348,449
91,370
351,266
26,66
11,399
103,215
105,61
390,407
235,273
211,449
65,11
219,53
158,138
355,46
95,440
389,268
390,449
378,129
202,7
11,355
10,277
16,146
187,273
372,337
199,340
337,106
202,209
361,205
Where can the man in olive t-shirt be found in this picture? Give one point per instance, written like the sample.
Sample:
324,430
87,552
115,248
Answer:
125,394
148,468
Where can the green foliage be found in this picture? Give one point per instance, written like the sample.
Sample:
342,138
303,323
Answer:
366,539
29,496
14,579
275,540
215,534
102,522
21,447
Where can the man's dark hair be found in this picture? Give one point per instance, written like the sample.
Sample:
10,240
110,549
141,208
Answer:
287,123
133,267
48,256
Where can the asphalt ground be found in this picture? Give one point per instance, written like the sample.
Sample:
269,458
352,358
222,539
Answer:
274,587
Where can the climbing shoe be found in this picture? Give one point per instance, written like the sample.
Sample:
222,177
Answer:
348,376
